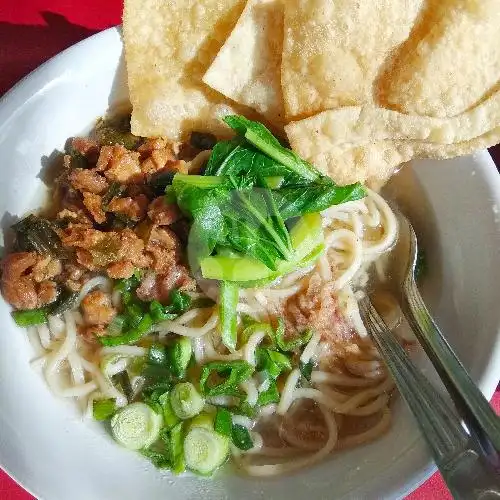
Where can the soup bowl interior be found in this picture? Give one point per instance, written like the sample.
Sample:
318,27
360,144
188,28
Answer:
47,446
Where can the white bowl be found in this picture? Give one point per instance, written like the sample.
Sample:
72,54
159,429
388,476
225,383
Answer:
47,447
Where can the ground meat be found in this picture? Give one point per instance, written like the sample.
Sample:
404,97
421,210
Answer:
97,308
93,203
74,216
74,277
19,286
133,208
158,287
88,180
120,270
317,307
162,213
164,247
90,332
46,268
86,147
119,164
97,250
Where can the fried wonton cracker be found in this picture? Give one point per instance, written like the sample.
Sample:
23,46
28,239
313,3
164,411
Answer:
247,68
453,63
333,50
169,44
367,160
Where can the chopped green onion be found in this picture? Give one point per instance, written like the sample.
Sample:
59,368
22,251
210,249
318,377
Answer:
179,301
205,450
223,422
180,353
245,409
228,301
170,419
128,284
272,362
123,380
290,345
131,336
157,354
136,426
103,409
159,313
241,437
177,449
134,314
270,395
205,420
232,374
117,324
158,459
30,317
186,401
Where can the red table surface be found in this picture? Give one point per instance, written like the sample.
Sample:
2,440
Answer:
32,31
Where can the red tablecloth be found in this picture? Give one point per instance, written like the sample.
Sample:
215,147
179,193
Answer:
32,31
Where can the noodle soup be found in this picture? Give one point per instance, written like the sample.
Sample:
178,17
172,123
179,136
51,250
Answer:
206,311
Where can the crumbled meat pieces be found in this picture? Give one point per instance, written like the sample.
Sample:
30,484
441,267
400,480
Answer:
88,180
97,308
164,247
93,203
317,307
86,147
97,250
162,213
133,208
26,280
158,287
120,270
119,164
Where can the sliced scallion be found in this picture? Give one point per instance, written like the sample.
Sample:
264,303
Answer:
186,401
205,450
136,426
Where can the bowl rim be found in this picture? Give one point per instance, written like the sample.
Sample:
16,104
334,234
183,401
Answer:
28,87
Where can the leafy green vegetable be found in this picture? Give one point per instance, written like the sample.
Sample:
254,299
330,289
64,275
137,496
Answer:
66,300
272,362
294,201
30,317
228,320
230,375
245,409
103,409
159,313
306,369
179,301
258,135
130,337
241,437
270,395
223,422
179,355
36,234
157,354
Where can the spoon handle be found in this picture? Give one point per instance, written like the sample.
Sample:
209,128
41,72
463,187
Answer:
467,473
475,409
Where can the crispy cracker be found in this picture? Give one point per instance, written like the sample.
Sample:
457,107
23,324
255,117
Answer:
247,68
372,161
169,44
333,50
452,65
